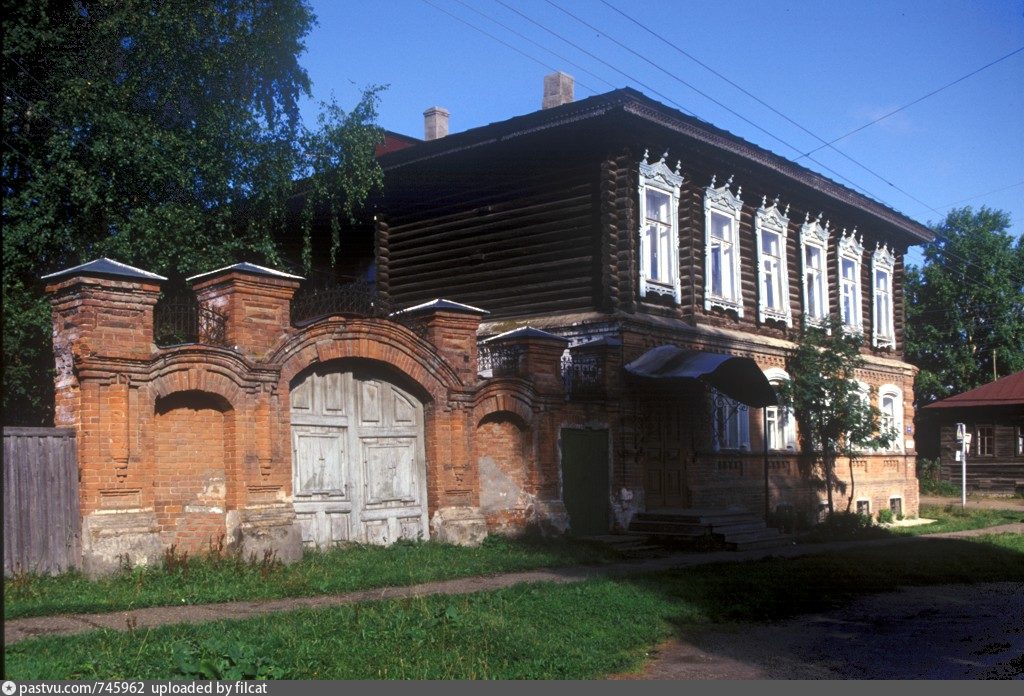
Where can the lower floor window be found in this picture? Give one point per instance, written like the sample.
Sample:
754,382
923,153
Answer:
730,423
896,506
864,507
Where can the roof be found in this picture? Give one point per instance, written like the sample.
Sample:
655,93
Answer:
631,102
246,267
1006,391
738,378
440,304
106,267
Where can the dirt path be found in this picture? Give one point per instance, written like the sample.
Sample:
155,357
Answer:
69,624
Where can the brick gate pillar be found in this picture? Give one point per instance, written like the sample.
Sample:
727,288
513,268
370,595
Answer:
453,481
102,343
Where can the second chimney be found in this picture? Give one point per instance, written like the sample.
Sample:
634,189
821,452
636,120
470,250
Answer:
558,89
435,123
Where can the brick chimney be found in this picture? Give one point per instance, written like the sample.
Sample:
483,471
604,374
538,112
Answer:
435,123
558,90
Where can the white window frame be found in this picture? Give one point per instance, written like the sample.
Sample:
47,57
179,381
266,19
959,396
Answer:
852,250
722,201
787,430
772,221
883,329
660,178
815,235
894,392
735,419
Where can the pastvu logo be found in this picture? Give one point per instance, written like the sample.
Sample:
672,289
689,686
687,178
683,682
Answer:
9,688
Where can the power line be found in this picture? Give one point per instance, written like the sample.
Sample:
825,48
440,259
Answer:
982,195
543,48
502,42
919,99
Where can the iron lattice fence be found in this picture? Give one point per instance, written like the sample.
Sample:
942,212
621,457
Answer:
583,376
499,361
358,298
180,319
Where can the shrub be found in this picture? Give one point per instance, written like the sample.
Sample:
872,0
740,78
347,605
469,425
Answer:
885,516
840,526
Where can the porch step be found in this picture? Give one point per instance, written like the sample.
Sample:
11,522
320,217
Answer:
731,529
630,545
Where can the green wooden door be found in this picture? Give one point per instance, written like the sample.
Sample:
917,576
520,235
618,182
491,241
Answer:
585,480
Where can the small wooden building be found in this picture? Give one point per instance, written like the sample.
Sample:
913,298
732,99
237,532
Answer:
994,416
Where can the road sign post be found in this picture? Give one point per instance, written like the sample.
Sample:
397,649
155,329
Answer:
963,443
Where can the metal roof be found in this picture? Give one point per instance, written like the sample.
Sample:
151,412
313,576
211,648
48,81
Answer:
106,267
1006,391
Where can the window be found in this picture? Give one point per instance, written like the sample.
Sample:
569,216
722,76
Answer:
896,507
850,253
780,422
730,423
986,439
864,508
890,406
882,264
722,262
771,228
1020,441
659,230
813,243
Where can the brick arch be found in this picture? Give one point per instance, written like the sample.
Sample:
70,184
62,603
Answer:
369,339
498,398
206,373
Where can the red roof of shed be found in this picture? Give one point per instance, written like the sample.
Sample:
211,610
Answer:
1006,391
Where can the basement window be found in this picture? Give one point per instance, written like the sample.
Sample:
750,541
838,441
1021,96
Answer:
896,507
864,508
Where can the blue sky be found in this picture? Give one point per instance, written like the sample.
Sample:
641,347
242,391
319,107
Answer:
827,65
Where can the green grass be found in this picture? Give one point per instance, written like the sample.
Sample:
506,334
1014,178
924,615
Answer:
544,631
225,578
951,518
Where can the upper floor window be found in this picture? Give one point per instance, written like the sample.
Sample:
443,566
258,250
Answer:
730,423
813,246
780,422
659,229
890,407
882,264
722,247
849,257
771,227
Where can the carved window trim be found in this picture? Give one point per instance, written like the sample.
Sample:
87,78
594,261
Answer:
660,178
891,391
814,235
852,250
721,201
883,329
771,220
787,430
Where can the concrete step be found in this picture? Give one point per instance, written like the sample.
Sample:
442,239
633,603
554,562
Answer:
776,542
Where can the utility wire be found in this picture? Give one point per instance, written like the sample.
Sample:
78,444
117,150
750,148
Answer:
501,41
543,48
919,99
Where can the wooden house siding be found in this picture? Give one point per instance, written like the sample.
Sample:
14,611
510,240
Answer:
1002,470
523,248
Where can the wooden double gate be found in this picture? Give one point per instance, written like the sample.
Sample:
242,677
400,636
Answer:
42,519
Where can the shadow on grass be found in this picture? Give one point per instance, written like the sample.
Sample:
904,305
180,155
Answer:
716,601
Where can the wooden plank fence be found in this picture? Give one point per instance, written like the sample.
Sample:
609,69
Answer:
42,522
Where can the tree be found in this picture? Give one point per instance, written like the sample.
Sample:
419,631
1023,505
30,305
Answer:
163,134
965,306
834,416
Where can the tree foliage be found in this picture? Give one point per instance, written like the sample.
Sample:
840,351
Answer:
966,304
162,134
834,416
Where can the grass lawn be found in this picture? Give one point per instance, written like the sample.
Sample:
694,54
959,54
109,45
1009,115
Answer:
951,518
224,579
544,631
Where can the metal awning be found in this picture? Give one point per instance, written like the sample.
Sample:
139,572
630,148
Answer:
738,378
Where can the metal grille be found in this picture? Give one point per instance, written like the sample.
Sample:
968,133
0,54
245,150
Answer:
179,319
358,298
583,376
499,361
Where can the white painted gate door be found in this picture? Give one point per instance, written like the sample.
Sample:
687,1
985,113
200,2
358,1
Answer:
358,464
